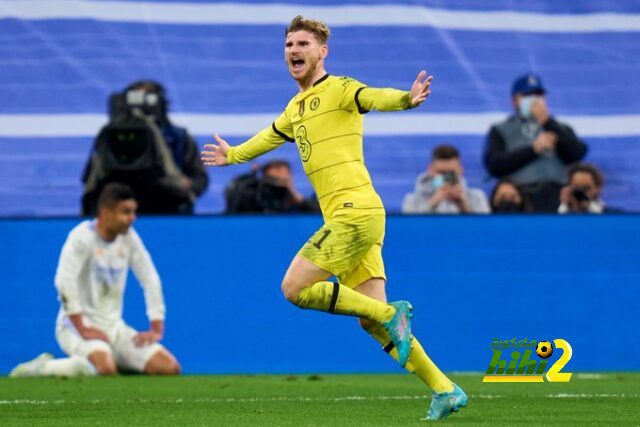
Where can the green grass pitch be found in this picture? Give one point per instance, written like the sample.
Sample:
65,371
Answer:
301,400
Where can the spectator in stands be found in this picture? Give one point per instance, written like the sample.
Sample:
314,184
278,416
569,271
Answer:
582,195
507,198
531,147
269,191
141,147
90,280
443,188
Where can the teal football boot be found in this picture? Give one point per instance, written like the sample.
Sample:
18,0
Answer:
444,404
399,328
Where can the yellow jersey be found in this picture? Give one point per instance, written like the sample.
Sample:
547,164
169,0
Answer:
325,122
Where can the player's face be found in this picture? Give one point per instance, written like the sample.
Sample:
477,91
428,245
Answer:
304,55
120,217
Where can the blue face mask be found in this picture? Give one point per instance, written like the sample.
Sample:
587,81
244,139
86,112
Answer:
525,105
437,181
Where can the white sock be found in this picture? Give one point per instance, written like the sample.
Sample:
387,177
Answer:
67,367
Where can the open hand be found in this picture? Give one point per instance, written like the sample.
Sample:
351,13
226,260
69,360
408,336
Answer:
215,155
420,88
146,338
89,333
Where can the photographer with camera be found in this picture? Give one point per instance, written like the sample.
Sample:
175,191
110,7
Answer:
582,195
269,190
143,149
443,189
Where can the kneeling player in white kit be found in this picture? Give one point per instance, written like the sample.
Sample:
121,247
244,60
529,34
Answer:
90,280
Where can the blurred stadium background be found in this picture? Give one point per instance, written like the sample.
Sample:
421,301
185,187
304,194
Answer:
223,68
547,277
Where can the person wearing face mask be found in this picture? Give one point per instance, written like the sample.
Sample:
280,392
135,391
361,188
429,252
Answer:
506,198
532,148
443,189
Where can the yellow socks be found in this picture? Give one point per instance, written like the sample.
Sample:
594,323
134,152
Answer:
419,363
338,299
335,298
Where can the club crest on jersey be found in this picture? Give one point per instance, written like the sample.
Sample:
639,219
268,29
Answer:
315,103
304,146
301,110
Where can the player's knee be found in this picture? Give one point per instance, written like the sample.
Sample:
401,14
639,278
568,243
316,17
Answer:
162,363
174,368
290,291
169,368
104,363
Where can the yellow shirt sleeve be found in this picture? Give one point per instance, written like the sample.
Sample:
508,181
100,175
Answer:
358,96
382,99
264,141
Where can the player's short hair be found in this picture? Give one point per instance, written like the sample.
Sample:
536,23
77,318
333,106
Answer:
592,170
445,152
319,29
113,193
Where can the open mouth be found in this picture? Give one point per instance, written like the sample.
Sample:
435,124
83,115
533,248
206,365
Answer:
297,63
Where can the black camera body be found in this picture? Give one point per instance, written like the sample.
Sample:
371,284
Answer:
450,177
131,149
150,103
580,194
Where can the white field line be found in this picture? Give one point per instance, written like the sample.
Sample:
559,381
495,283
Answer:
313,399
588,376
347,15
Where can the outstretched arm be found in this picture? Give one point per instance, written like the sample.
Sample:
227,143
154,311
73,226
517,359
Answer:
215,155
222,154
368,98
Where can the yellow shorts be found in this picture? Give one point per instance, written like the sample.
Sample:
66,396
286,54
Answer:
349,247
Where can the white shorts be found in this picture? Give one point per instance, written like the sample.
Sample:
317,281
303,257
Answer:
126,354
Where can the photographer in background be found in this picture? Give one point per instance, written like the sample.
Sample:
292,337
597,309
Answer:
270,191
582,195
443,188
143,149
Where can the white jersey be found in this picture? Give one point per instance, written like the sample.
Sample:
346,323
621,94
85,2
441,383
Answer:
92,274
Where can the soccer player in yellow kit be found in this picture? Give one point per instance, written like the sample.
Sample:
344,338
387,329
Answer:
325,121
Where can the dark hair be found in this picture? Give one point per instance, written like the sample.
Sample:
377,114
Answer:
318,28
525,204
445,152
113,193
592,170
275,163
148,85
498,184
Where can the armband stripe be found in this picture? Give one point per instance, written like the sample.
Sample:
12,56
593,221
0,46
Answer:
281,134
360,109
